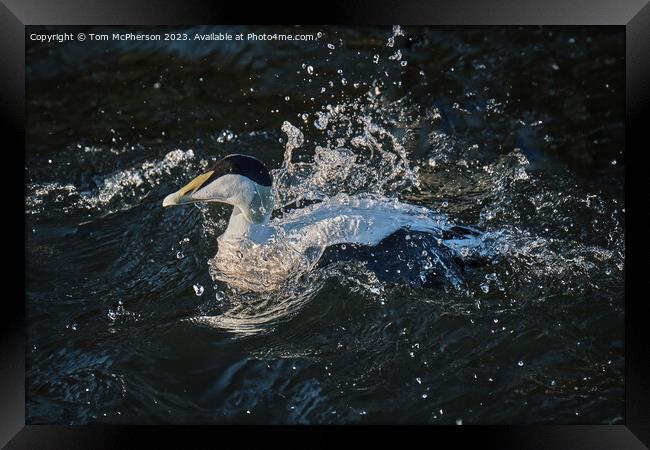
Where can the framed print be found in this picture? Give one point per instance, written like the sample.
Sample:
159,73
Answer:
387,216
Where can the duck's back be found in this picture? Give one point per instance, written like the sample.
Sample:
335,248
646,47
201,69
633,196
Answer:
365,220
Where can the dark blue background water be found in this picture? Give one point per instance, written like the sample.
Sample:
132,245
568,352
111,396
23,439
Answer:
112,127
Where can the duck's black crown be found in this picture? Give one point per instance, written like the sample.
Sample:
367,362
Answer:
247,166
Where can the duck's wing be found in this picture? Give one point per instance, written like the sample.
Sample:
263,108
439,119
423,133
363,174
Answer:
357,220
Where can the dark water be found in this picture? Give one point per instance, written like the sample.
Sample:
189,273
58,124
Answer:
516,131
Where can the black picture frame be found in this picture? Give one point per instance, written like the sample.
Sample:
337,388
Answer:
633,15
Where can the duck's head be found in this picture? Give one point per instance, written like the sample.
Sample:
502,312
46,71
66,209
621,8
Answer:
238,180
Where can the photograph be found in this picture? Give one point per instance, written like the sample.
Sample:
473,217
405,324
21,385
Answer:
325,225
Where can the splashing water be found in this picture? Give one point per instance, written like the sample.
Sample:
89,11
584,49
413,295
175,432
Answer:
118,191
357,157
358,152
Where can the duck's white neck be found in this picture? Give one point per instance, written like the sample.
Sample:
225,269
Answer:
252,205
240,227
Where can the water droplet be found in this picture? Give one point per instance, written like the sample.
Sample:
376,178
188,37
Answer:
198,289
520,364
322,121
310,70
331,46
485,288
220,295
180,255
